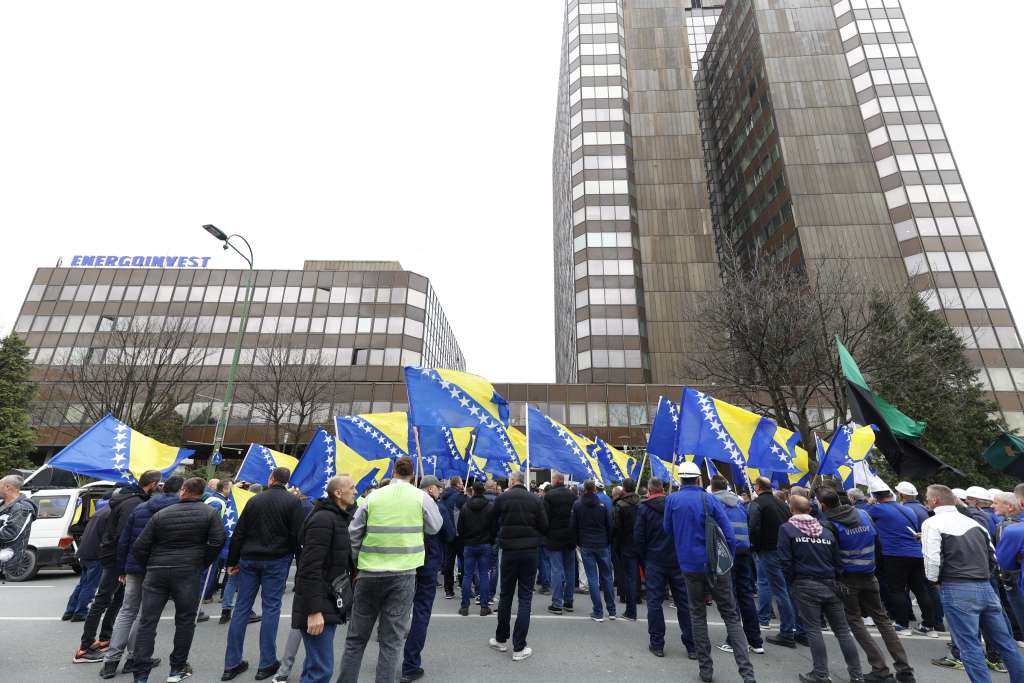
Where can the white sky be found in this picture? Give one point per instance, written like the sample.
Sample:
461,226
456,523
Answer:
410,131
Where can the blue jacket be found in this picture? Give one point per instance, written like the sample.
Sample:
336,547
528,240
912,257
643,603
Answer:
805,556
453,499
653,543
591,522
993,521
606,500
856,535
892,521
684,521
920,510
1010,550
737,515
126,562
434,545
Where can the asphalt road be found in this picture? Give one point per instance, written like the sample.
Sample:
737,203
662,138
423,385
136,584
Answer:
36,646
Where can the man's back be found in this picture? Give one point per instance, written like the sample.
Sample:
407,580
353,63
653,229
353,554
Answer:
765,515
185,534
592,522
558,502
520,519
897,527
268,528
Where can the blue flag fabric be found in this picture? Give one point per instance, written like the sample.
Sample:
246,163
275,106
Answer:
259,462
446,451
112,450
316,466
449,398
554,446
709,428
661,443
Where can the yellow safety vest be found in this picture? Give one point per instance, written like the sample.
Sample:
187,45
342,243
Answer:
394,530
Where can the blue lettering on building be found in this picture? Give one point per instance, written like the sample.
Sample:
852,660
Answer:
115,261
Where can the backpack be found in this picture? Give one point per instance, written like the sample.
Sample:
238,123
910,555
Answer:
716,545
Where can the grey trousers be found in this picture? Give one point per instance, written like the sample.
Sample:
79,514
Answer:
126,626
698,586
291,649
389,599
861,597
812,598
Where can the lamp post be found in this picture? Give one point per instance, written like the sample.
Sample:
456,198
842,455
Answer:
229,391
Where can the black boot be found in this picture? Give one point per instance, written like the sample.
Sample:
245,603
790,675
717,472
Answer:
225,616
109,669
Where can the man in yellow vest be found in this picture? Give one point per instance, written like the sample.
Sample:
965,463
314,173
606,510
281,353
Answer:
387,544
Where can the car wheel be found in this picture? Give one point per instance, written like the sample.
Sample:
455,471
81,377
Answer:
25,568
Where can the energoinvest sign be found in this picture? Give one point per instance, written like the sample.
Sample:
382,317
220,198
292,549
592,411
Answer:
80,261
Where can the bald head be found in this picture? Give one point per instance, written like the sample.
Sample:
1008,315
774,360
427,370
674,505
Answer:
557,478
341,490
515,479
763,484
799,505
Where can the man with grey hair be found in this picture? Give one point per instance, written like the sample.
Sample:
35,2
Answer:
1009,544
857,498
1018,491
17,513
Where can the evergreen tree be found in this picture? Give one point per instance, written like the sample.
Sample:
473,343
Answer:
16,391
923,370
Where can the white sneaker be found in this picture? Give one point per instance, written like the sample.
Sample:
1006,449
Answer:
1020,644
500,647
522,654
868,621
755,650
725,647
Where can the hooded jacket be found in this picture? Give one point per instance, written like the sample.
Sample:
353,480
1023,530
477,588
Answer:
766,515
475,522
519,520
126,562
326,554
89,545
121,505
856,536
558,501
684,521
653,543
807,550
453,499
737,515
624,521
16,520
434,544
591,522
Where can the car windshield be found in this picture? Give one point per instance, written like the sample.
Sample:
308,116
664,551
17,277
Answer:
51,507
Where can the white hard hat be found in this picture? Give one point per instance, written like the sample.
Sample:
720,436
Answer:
960,493
689,470
906,488
979,493
993,492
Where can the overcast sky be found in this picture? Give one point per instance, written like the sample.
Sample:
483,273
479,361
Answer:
409,131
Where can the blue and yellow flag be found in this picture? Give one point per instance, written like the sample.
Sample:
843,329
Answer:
369,444
317,465
709,428
446,451
112,450
260,461
856,446
449,398
614,464
555,446
233,510
502,444
661,442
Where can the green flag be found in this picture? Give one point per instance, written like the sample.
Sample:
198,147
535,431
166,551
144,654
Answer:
902,426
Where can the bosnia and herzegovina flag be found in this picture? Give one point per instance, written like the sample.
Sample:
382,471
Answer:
449,398
661,442
848,447
260,461
615,465
317,465
233,510
369,444
446,451
555,446
112,450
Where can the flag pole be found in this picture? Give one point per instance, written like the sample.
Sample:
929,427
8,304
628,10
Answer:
527,446
419,451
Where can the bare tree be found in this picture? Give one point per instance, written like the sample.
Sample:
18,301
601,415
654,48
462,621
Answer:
285,388
138,372
773,332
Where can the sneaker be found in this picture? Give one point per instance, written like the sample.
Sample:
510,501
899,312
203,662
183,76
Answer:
464,611
280,678
868,621
814,678
201,617
567,607
725,647
597,617
925,631
486,611
449,596
612,617
901,630
79,617
656,651
495,645
905,677
872,677
784,641
554,610
414,675
949,662
89,655
756,650
234,671
225,616
181,674
101,645
1020,643
629,618
998,667
522,654
67,616
109,669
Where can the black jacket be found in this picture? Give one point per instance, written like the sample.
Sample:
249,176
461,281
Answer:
475,523
89,545
186,534
558,502
624,520
519,520
766,514
268,528
653,543
137,522
121,505
591,522
326,554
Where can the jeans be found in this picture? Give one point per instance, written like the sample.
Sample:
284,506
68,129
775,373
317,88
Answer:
104,608
85,589
268,577
228,595
182,585
902,573
743,591
1015,599
769,567
661,579
543,568
698,586
422,606
861,596
814,597
495,566
319,664
630,580
210,579
476,567
126,627
598,566
518,568
291,649
453,553
563,579
971,606
389,599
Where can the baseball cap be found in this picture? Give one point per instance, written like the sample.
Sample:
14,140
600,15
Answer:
689,470
906,488
429,480
979,493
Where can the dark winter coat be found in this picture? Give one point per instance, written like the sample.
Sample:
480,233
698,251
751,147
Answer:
519,520
653,543
89,544
186,534
326,554
591,523
16,520
624,521
558,502
126,563
121,505
475,522
268,528
804,556
764,517
453,499
434,545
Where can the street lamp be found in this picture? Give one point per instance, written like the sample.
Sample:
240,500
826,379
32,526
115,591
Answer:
222,420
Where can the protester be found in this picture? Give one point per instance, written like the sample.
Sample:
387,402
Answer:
17,512
623,525
110,592
88,557
387,542
902,564
426,584
561,548
980,499
216,497
743,564
262,545
958,556
657,549
812,562
860,592
177,543
908,498
543,559
592,531
1009,544
520,524
324,563
685,514
475,531
453,498
857,498
131,574
765,516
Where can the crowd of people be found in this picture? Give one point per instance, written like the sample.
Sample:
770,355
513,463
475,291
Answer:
807,559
